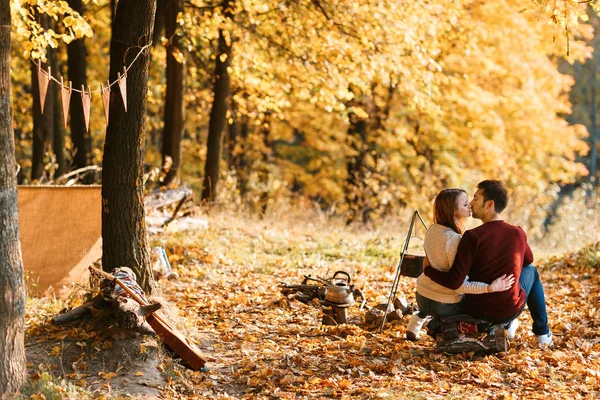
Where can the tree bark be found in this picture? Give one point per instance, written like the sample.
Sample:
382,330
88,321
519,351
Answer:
218,112
355,168
77,65
594,135
159,21
124,241
233,136
12,301
43,124
237,149
263,172
59,131
174,107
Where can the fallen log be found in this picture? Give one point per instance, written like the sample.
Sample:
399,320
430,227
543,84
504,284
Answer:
126,312
73,315
97,303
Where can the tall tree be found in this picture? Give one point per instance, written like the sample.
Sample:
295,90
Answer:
354,187
584,96
218,112
159,20
173,128
594,140
43,122
266,157
237,139
77,65
12,301
124,241
58,141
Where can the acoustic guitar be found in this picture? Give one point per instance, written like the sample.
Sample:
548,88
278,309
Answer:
171,337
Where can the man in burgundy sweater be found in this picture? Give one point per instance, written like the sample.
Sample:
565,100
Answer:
489,251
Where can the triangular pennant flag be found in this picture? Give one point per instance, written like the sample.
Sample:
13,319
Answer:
43,81
86,99
105,91
123,86
65,95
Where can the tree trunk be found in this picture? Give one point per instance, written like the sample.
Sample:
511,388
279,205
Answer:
238,158
174,107
124,241
233,136
113,11
237,143
12,301
59,131
43,124
218,112
159,21
77,65
355,168
594,136
263,174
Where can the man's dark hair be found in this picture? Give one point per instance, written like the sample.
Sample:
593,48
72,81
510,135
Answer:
494,190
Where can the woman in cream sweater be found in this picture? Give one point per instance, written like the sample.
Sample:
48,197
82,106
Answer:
450,209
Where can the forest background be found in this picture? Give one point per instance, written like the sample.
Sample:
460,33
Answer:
359,110
289,120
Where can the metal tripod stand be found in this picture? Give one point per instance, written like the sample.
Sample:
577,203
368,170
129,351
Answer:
399,267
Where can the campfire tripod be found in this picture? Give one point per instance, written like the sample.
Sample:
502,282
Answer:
405,267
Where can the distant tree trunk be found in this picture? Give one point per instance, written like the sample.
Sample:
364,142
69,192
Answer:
43,124
237,144
355,166
266,160
159,21
124,241
237,148
594,135
59,131
231,138
218,112
12,301
174,107
77,65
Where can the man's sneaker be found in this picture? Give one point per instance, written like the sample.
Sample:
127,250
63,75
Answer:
511,331
544,340
415,323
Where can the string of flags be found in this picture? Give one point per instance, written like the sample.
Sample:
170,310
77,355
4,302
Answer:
44,78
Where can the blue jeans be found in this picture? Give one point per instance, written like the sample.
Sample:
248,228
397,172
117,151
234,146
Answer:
435,308
536,301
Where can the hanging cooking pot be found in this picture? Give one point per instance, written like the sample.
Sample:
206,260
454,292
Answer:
411,265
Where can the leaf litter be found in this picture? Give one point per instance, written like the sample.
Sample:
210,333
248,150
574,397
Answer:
263,345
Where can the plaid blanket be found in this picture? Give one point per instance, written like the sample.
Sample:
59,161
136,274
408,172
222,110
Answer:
111,290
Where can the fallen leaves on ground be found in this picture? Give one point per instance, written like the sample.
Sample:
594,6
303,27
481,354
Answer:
268,347
264,346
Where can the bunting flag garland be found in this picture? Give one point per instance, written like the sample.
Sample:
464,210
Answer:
65,96
123,86
66,92
105,99
43,81
86,99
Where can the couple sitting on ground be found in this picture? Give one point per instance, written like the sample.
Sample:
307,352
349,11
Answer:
493,255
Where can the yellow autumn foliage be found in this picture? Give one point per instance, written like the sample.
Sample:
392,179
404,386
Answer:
451,92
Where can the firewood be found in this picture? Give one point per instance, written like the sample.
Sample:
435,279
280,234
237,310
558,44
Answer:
130,315
80,312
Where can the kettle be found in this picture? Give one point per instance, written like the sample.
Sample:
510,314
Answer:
339,292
